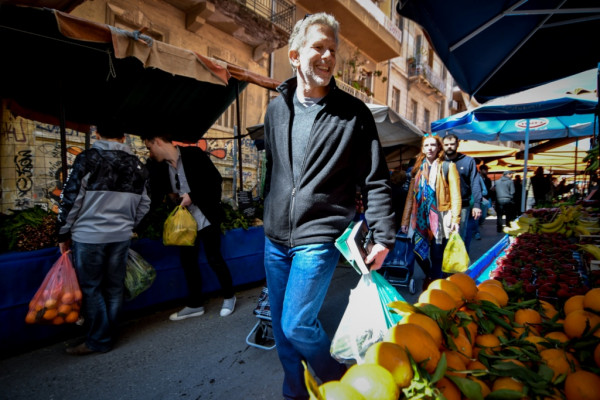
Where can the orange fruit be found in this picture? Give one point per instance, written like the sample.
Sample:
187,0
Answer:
50,303
597,355
485,389
72,317
448,389
500,332
487,296
449,287
466,284
372,381
591,300
418,342
558,360
474,365
488,343
30,317
548,309
64,309
438,298
536,340
506,382
498,292
426,323
573,303
67,298
582,385
50,314
557,335
392,357
527,316
577,321
492,282
454,362
336,390
58,320
77,295
463,347
521,332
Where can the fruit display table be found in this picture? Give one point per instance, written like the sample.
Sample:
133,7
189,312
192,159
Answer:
21,274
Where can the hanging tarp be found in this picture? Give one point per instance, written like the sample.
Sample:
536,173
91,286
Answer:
97,73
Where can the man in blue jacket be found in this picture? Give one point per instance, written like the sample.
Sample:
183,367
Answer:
321,145
104,198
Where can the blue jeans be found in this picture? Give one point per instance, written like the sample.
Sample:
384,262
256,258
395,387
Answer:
298,279
101,273
466,226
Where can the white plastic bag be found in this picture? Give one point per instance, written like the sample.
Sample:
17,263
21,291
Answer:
362,324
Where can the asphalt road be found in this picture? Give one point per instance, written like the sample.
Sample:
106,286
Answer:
200,358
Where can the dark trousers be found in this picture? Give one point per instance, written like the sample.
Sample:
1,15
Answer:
504,208
211,239
432,266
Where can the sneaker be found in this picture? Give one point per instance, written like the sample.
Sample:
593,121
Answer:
228,306
187,312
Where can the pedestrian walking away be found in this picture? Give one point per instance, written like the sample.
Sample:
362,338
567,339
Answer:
505,192
185,176
321,145
104,198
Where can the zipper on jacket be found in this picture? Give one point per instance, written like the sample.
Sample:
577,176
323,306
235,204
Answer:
290,214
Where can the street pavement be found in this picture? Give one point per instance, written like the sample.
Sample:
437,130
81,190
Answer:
203,358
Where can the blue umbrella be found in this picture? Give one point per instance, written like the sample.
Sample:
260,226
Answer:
564,108
494,48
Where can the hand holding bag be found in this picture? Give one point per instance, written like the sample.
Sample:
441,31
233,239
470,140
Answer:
58,300
180,228
456,258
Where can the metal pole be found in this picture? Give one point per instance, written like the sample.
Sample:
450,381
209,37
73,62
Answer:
524,189
239,135
63,135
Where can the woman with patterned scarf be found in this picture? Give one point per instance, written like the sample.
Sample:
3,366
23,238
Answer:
432,208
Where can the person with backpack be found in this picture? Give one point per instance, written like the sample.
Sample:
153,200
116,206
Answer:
432,208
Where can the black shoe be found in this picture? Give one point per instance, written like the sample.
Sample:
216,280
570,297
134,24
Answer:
80,350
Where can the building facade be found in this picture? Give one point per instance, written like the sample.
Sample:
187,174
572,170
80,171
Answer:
382,59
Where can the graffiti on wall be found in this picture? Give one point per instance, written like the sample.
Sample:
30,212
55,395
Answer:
31,172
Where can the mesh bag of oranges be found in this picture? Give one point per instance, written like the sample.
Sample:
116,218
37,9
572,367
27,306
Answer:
58,300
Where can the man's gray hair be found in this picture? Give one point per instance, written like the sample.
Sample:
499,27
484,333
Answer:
298,36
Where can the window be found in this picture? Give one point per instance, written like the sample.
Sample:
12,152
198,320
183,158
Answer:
400,23
414,107
396,99
426,119
228,119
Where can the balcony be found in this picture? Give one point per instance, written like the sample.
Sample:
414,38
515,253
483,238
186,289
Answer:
265,25
354,92
422,75
363,24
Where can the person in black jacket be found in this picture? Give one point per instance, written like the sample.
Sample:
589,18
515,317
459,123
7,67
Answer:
321,144
104,199
505,192
187,176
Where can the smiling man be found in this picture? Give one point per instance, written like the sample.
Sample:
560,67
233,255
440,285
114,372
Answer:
321,145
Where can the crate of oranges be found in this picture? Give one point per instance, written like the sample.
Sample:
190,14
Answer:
58,300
